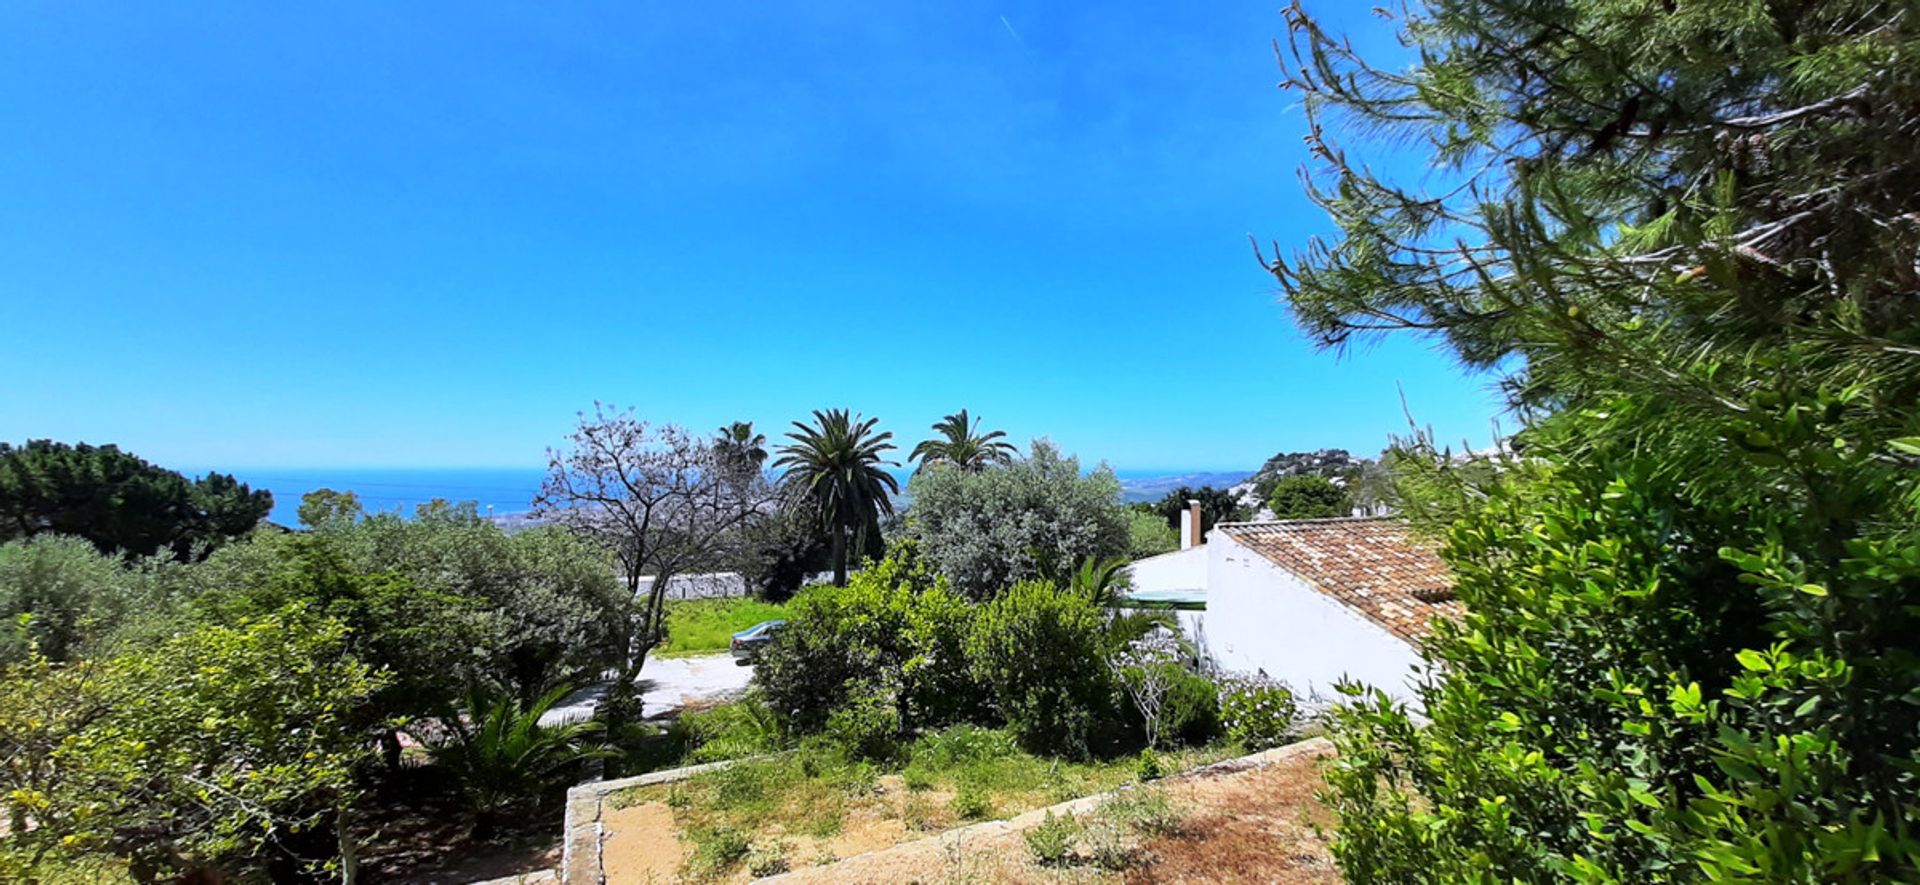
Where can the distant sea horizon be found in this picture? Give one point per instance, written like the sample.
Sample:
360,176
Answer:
503,491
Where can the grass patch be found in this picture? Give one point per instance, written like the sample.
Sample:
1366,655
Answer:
701,626
945,778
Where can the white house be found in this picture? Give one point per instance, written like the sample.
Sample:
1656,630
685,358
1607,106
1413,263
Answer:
1310,601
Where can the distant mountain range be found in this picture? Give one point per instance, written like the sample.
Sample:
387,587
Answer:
1153,488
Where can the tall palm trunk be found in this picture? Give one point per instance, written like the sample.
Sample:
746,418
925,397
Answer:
840,556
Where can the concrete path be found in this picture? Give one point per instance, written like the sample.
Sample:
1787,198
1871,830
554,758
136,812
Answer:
666,684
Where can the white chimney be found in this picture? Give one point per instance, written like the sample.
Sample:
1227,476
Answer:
1190,536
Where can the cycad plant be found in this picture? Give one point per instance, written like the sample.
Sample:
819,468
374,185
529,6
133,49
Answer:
835,466
1104,582
502,755
961,444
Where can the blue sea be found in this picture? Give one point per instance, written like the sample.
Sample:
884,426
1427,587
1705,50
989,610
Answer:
504,491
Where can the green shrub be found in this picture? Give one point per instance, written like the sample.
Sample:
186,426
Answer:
1192,709
1148,768
1308,496
917,779
867,724
1041,652
1256,712
970,802
987,529
1149,535
746,727
1049,842
893,626
1147,811
716,850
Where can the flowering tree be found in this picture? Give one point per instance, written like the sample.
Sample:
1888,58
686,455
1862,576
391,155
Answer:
662,499
1146,668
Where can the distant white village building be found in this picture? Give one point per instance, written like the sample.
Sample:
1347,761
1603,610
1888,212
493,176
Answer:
1305,601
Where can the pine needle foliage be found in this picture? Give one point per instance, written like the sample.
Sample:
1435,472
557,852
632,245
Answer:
1688,235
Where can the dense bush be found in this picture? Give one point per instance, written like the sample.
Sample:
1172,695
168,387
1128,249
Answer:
895,635
1256,712
60,595
1690,639
989,528
1149,535
1041,651
1192,713
224,749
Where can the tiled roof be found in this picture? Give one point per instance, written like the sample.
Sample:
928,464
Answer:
1372,565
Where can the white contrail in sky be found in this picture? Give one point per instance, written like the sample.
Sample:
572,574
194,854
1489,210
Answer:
1010,30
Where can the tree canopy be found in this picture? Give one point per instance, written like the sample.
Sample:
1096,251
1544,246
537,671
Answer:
1216,506
959,442
836,467
989,529
1687,229
1307,496
119,502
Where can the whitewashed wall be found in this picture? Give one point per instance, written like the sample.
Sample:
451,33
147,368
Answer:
1179,570
710,585
1261,617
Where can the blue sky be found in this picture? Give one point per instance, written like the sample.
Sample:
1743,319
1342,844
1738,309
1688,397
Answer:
383,234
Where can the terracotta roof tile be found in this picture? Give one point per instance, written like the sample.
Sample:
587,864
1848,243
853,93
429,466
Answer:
1372,565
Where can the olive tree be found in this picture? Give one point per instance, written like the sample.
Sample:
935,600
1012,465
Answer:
984,530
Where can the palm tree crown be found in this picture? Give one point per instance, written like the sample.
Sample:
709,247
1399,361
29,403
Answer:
961,444
834,466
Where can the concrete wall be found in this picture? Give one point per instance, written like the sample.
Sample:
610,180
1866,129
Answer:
1261,617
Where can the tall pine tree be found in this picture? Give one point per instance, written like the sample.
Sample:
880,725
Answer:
1690,233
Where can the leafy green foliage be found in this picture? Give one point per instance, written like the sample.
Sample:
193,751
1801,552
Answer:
895,635
1041,651
447,590
747,727
1051,841
1193,709
717,850
197,754
120,503
1149,535
70,595
1308,497
326,509
986,529
1256,712
1688,651
961,444
1216,506
418,636
503,756
835,467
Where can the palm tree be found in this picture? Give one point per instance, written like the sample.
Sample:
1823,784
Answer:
740,451
961,444
739,439
834,466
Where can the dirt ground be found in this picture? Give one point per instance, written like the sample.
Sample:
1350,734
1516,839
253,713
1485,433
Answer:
1249,825
641,843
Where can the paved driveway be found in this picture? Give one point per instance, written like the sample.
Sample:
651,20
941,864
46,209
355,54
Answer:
666,685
